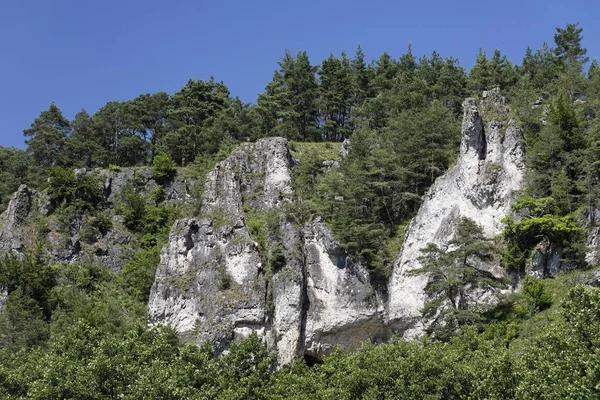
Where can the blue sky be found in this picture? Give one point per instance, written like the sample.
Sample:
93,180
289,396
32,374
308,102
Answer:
81,54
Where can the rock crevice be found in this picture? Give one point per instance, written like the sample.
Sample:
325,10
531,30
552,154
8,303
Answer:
318,299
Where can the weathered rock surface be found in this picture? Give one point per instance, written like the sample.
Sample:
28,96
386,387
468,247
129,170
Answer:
242,266
481,186
204,285
592,256
344,309
546,260
215,283
12,235
30,219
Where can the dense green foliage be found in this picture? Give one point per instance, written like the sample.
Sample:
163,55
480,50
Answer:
79,331
90,358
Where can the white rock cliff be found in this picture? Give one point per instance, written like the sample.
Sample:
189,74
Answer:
481,186
212,285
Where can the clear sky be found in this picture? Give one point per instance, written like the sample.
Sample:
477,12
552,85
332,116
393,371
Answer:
81,54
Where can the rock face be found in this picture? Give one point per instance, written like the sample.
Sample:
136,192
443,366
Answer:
297,289
546,260
12,220
592,256
481,186
243,266
344,309
30,219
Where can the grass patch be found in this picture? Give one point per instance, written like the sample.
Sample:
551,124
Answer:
324,150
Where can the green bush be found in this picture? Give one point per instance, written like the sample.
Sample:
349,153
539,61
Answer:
536,295
539,223
224,279
139,272
102,221
277,258
132,208
163,168
83,191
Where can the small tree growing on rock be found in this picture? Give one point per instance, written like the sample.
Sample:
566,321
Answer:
456,272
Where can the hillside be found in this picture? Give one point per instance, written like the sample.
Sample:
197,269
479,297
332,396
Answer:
400,229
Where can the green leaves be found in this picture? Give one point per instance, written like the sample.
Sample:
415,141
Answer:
163,168
568,45
80,190
454,272
538,225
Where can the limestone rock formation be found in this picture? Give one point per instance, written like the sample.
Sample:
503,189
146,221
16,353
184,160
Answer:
344,309
215,283
243,266
592,256
481,186
546,260
30,219
12,220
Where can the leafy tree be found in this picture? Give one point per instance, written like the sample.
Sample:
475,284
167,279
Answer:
301,81
132,206
289,104
163,168
540,67
362,76
502,73
335,93
536,294
190,114
385,70
539,223
81,190
562,360
27,282
479,77
151,112
238,121
119,129
452,82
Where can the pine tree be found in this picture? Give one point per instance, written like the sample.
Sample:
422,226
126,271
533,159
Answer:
289,106
335,96
84,147
385,69
151,115
568,46
191,112
454,272
362,77
47,136
479,76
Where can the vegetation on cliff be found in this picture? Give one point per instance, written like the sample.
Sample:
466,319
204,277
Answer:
79,330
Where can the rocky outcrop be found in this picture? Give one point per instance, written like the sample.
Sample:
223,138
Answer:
12,221
176,191
243,266
546,260
481,186
592,256
344,309
297,289
67,237
205,286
